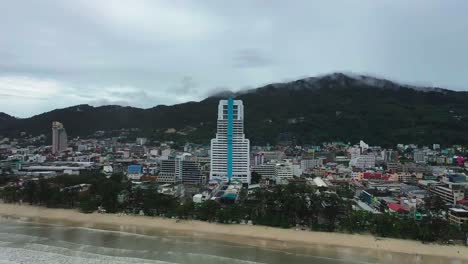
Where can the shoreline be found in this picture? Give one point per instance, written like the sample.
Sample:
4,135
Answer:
258,236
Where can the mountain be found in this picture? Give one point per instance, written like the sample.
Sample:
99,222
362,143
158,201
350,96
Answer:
5,118
311,110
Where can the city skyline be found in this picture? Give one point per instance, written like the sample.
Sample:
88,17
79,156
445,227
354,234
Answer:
250,131
302,188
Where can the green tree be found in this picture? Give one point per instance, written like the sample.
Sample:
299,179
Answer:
383,225
331,206
185,210
56,198
88,203
255,177
435,203
345,192
44,193
11,194
464,227
357,221
30,191
207,210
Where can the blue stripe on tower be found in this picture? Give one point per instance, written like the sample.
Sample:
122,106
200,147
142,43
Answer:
229,137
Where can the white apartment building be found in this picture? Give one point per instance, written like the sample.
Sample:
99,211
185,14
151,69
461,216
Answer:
297,170
450,192
361,161
361,158
283,172
230,150
420,157
257,159
141,141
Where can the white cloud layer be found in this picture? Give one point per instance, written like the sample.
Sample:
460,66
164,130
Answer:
58,53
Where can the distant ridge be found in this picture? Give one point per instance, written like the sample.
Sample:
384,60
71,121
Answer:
6,117
345,80
335,106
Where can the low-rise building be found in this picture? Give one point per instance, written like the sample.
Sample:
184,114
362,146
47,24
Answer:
307,164
134,172
363,161
420,157
283,172
266,170
457,216
451,190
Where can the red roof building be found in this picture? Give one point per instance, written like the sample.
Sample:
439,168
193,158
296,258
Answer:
463,202
397,208
375,176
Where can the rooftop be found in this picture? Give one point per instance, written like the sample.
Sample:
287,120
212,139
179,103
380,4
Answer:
458,210
397,208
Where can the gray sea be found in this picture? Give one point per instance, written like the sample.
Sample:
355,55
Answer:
23,242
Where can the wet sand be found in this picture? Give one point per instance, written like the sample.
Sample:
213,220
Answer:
261,236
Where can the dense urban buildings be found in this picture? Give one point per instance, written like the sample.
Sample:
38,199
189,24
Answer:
230,149
142,172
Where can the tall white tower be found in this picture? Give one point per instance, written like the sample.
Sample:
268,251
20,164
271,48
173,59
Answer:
230,149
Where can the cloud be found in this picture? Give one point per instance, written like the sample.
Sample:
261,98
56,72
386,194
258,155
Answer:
58,53
121,95
103,101
247,58
187,85
27,87
146,18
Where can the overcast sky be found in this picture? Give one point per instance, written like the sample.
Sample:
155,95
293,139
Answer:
55,54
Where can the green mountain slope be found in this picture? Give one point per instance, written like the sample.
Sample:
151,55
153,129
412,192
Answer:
312,110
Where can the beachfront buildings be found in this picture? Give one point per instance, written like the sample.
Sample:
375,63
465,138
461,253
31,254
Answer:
59,138
182,168
451,189
230,149
167,172
458,216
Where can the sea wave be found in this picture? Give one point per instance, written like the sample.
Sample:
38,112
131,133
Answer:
53,255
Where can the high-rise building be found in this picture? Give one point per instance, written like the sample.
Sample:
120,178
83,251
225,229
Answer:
59,138
167,172
230,149
191,172
180,169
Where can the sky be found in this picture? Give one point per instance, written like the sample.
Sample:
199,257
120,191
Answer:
60,53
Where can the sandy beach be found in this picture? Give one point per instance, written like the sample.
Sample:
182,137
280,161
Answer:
263,236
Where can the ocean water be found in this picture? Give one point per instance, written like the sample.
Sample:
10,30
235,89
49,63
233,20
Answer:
23,242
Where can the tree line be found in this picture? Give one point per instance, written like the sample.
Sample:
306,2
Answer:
288,206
